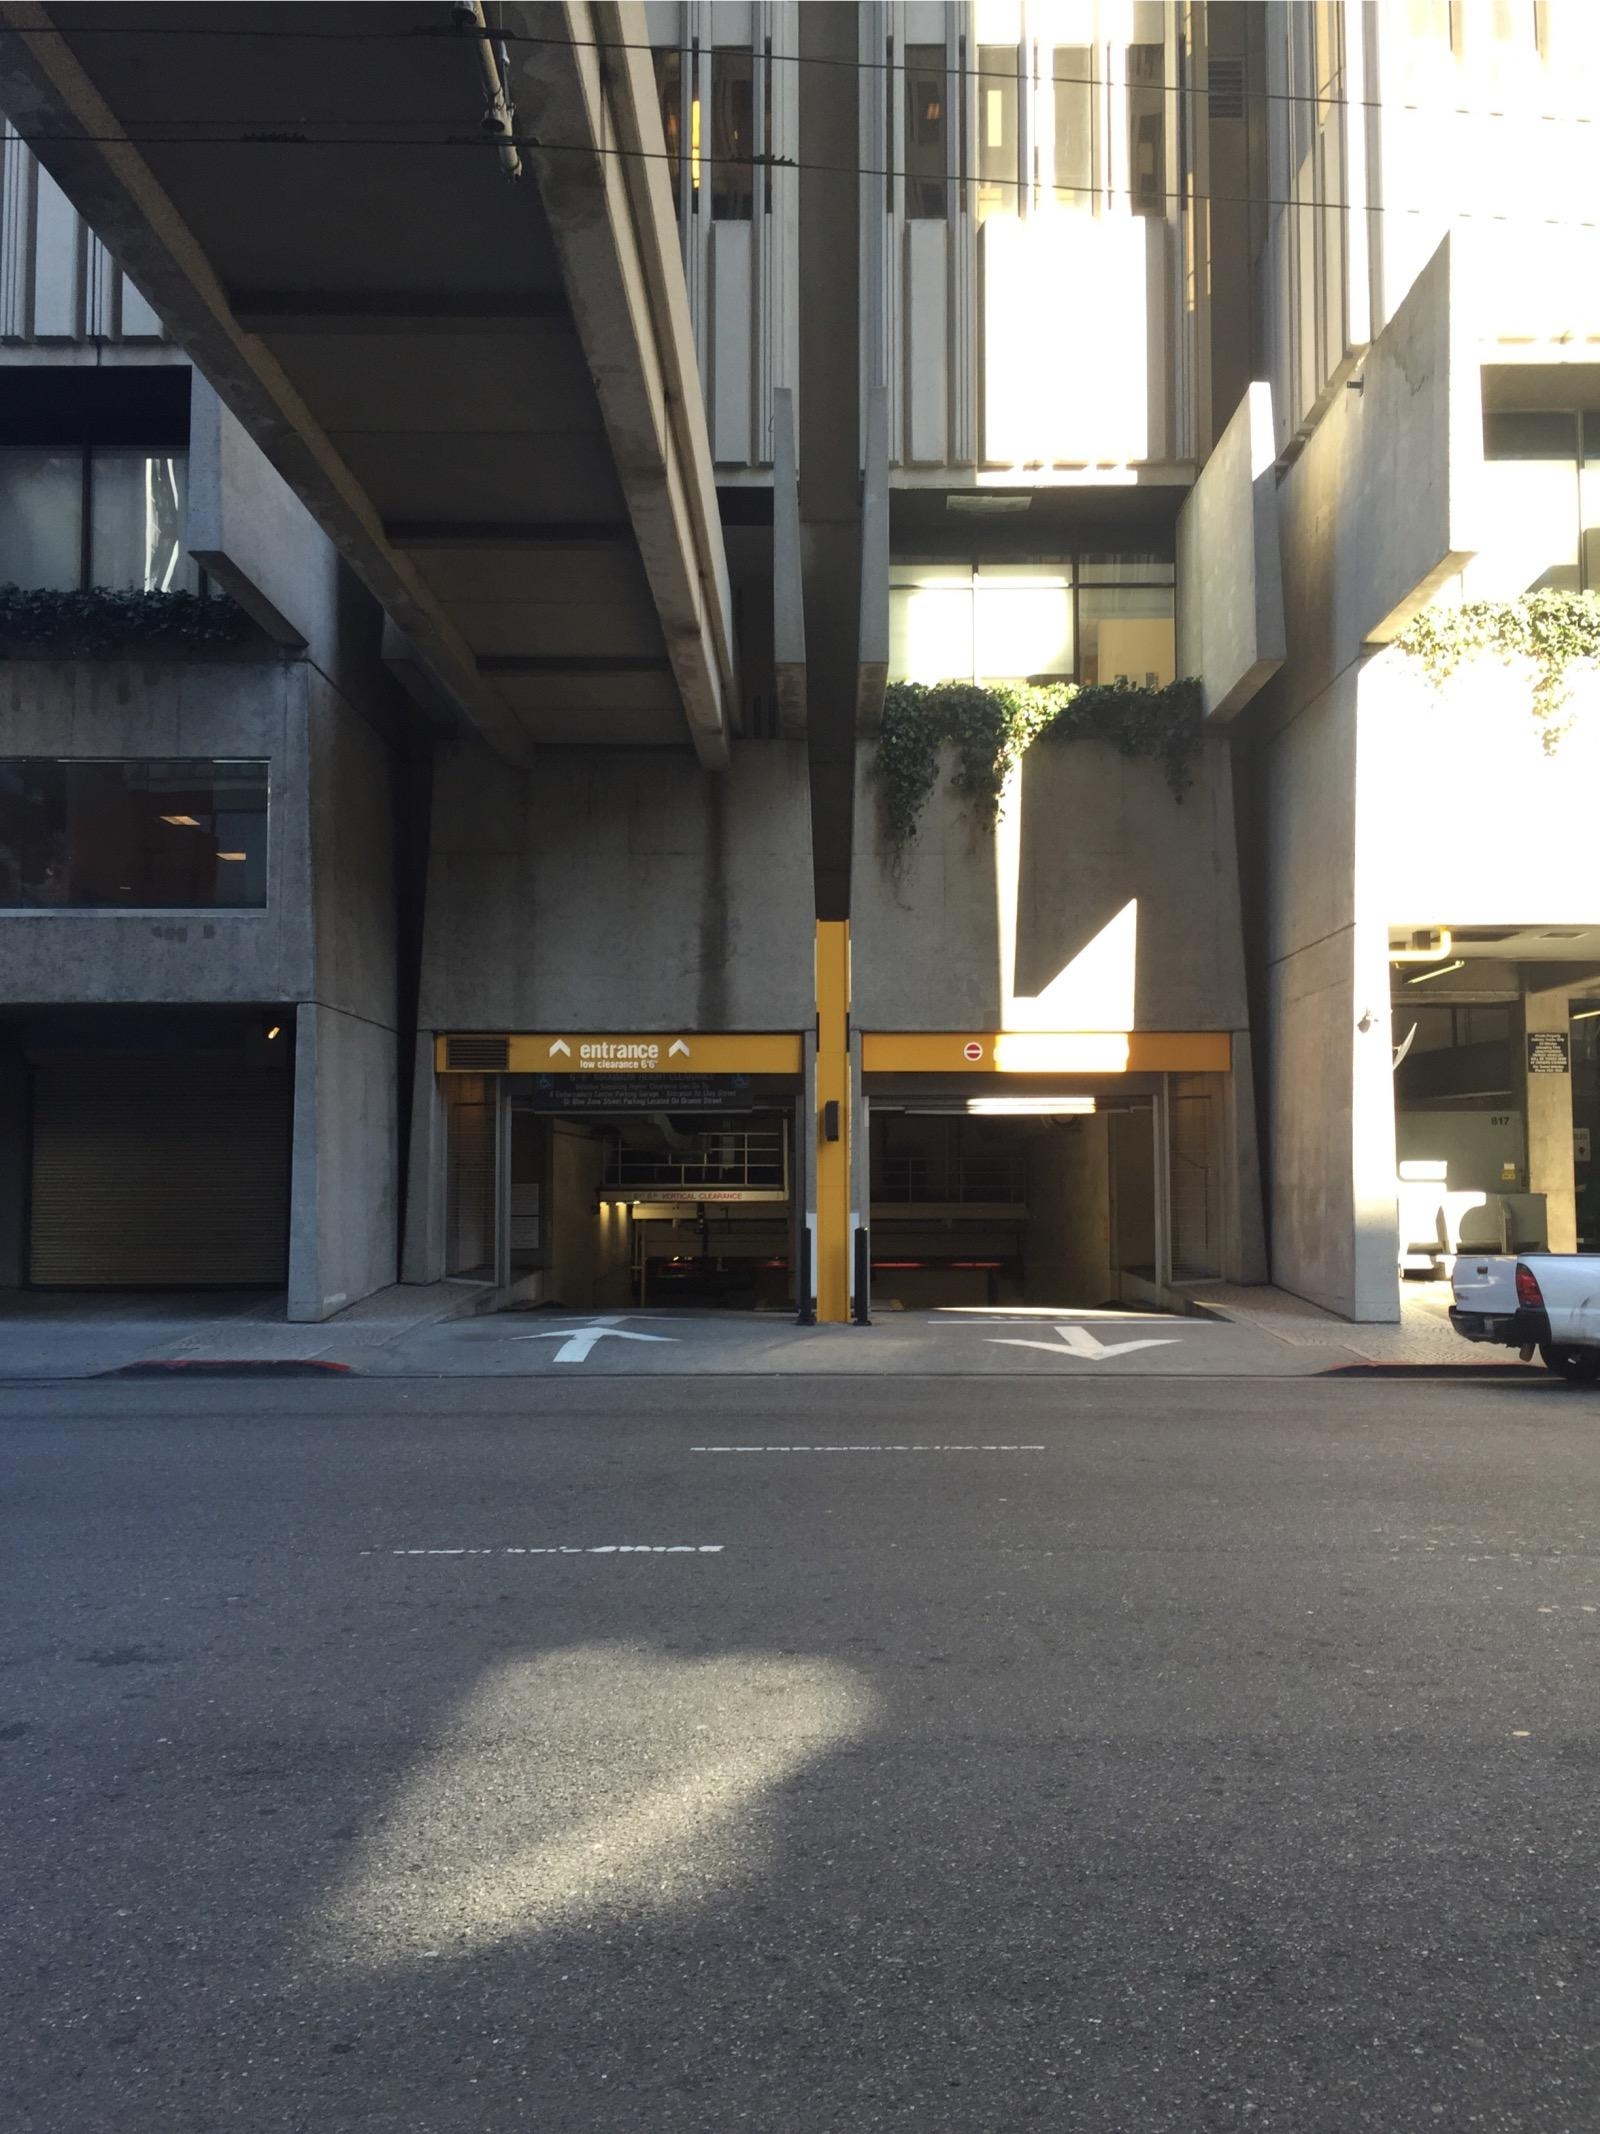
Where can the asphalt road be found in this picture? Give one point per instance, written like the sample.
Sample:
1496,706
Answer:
1222,1756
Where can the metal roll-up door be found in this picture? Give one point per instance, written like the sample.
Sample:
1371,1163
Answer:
159,1171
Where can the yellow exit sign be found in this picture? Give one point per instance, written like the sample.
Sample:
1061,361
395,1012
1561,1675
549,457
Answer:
597,1052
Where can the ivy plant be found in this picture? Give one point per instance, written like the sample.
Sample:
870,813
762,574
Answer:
1552,630
102,622
989,729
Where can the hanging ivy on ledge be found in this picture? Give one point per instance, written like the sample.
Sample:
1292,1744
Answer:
1553,630
989,730
102,623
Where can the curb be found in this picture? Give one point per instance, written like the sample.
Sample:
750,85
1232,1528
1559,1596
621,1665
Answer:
228,1367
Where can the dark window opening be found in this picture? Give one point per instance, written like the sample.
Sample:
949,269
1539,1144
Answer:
732,134
927,134
93,834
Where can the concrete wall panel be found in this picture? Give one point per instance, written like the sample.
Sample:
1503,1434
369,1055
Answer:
1382,506
165,709
605,890
1099,902
342,1243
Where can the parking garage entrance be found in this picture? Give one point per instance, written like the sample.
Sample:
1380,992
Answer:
1000,1187
608,1180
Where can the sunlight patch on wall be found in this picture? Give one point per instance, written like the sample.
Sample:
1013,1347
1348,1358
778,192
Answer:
1095,990
599,1780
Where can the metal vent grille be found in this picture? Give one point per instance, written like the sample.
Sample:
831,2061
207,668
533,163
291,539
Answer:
478,1055
1225,79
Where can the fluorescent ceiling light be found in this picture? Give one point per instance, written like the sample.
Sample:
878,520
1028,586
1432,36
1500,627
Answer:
232,855
1422,977
1031,1107
1584,1015
182,822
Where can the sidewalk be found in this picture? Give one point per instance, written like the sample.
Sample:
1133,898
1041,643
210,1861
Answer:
1424,1334
438,1332
64,1334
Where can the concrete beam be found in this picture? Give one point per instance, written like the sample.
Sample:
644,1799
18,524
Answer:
1230,567
79,140
410,312
872,658
507,533
611,218
788,586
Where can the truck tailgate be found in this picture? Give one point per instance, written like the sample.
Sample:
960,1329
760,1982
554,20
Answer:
1485,1283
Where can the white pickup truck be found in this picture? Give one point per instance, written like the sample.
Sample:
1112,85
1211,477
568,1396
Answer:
1544,1301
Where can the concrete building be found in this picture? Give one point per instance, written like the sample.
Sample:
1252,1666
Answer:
1425,909
583,483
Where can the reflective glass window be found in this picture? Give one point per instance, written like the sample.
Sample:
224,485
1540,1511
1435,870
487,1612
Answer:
927,156
41,519
1147,129
138,506
997,129
733,172
137,834
1074,114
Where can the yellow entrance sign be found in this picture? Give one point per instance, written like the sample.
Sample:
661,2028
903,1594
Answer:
1047,1052
623,1052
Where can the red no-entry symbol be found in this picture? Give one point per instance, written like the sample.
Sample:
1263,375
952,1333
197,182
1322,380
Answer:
974,1051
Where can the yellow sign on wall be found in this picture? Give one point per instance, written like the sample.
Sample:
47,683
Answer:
625,1052
1047,1052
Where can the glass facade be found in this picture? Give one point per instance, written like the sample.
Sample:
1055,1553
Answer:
1086,618
71,519
137,835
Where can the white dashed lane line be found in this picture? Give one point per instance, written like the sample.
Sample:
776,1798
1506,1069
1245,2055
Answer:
608,1548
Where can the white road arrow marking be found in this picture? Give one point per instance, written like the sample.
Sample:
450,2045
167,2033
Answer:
676,1047
1080,1342
561,1046
577,1341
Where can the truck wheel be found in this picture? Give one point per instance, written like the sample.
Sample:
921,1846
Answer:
1582,1366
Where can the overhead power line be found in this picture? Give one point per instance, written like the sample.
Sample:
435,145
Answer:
266,137
451,33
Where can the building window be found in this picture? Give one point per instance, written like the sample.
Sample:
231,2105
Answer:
1147,129
733,120
1074,119
1089,619
669,91
927,134
136,835
1126,620
998,68
1542,469
71,519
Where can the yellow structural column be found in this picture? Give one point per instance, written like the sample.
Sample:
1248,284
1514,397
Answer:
832,1125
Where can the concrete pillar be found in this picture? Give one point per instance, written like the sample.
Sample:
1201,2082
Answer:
1547,1106
423,1253
1244,1241
342,1243
13,1156
1375,1245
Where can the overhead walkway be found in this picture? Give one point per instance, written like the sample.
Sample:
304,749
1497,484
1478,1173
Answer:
482,384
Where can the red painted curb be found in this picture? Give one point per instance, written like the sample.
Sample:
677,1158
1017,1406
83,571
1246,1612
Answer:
227,1367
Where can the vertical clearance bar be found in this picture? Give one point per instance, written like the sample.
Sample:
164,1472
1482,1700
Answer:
832,1125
